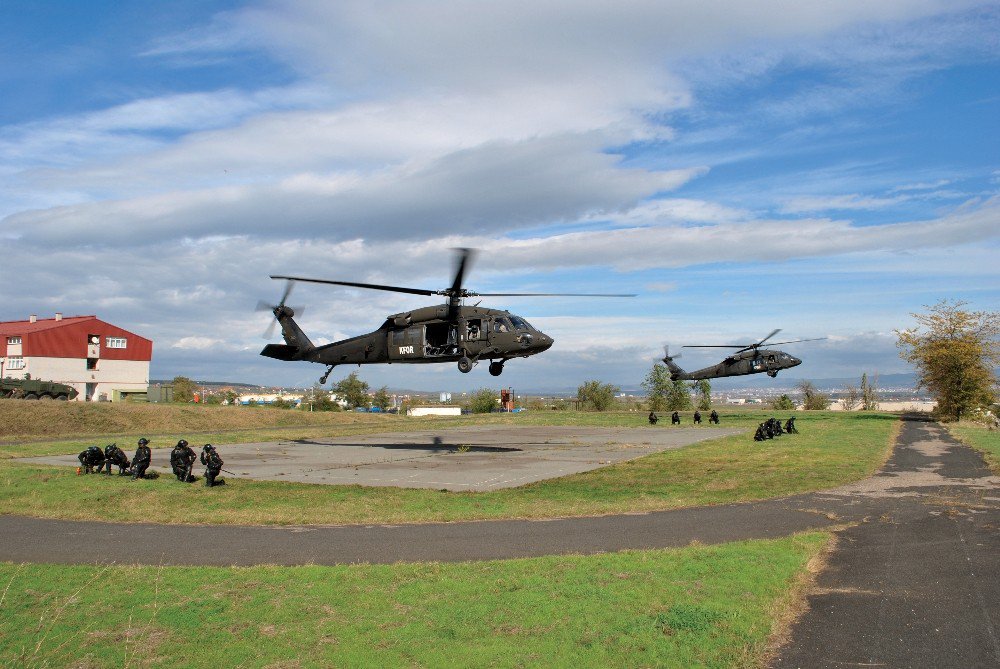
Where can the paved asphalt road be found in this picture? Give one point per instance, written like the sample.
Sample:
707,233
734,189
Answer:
917,584
914,581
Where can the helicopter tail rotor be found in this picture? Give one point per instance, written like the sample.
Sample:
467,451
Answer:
675,371
279,309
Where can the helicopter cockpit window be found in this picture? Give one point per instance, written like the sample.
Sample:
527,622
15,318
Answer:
502,325
519,323
772,358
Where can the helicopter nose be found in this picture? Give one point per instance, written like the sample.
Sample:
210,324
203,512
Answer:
795,361
544,342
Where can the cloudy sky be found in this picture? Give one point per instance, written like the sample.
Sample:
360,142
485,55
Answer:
825,168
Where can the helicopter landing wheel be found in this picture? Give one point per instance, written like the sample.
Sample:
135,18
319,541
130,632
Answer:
322,379
496,368
772,374
465,365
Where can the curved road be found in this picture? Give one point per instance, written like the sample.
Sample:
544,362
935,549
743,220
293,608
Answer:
914,580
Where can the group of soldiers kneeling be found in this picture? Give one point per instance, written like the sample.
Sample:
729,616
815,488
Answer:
182,458
771,428
675,418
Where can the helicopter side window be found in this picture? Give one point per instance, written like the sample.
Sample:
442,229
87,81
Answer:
501,325
475,329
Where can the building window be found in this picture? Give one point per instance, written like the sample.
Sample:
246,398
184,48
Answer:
92,364
13,341
15,362
117,342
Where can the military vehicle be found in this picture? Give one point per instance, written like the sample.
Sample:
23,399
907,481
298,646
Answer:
749,359
449,332
33,389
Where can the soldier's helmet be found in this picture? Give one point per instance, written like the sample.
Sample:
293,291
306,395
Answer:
208,447
143,441
182,443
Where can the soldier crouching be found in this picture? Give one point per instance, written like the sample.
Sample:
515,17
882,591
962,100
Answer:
675,418
115,456
213,465
182,459
713,417
143,456
91,460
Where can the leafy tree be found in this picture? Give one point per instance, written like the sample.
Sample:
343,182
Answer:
596,396
812,399
783,403
955,352
184,389
382,399
657,384
353,390
318,399
869,393
281,403
704,389
852,397
483,400
678,396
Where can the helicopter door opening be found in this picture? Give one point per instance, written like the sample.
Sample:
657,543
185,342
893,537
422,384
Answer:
757,365
442,339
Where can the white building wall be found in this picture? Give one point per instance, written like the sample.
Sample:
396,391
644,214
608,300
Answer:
435,411
110,375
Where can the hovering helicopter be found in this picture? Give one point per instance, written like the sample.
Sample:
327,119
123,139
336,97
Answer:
449,332
749,359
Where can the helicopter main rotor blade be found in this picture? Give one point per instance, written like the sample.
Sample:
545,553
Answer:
794,341
741,346
552,294
355,284
465,257
774,332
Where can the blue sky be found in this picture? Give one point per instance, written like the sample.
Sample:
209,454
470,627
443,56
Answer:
741,166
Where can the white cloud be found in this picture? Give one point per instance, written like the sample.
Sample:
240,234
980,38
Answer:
805,204
413,128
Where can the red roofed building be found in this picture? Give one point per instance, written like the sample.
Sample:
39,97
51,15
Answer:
102,361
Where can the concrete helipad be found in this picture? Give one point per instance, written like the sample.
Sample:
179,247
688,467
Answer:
474,458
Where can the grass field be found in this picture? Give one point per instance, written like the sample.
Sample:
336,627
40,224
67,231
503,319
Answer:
832,448
981,438
694,607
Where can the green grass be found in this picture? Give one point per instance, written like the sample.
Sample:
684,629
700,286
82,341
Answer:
833,448
981,438
694,607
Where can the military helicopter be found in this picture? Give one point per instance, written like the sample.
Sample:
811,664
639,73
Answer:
749,359
449,332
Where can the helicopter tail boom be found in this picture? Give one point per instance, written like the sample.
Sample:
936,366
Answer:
675,371
297,345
